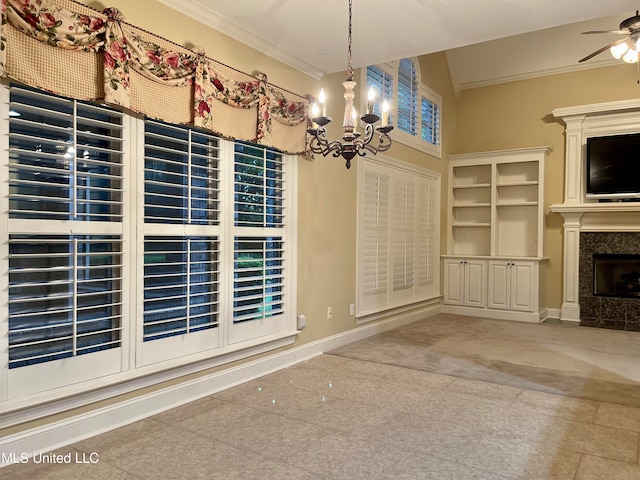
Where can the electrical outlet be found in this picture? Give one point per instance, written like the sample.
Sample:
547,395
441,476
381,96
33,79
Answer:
352,309
302,322
329,313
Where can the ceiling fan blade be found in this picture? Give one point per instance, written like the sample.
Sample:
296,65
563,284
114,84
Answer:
619,32
606,47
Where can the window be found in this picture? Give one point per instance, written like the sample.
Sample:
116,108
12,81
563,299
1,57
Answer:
415,108
397,235
133,243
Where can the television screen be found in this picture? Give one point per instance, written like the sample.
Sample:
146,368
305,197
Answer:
613,166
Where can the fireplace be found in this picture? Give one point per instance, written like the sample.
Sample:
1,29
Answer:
610,280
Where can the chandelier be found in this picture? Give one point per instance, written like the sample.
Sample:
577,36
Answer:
353,143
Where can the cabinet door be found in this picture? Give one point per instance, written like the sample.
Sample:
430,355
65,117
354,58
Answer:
453,282
499,285
523,286
475,283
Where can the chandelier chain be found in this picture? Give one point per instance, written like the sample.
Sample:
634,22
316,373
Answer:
349,69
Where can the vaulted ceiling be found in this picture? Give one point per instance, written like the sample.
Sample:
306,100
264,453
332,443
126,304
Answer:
486,41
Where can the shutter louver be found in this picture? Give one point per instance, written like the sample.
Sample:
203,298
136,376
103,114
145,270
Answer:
181,175
65,159
258,187
65,296
181,285
258,272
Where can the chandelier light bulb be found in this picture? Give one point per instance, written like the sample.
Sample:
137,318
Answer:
385,113
619,50
370,99
322,98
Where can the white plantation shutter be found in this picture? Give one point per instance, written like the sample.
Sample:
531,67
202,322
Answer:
65,159
426,229
403,214
133,247
398,232
182,266
430,121
65,296
259,268
414,109
382,83
182,179
65,240
407,97
374,243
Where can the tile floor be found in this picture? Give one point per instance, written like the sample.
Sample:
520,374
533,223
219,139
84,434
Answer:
447,398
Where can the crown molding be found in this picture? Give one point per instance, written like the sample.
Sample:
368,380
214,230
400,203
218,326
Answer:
211,19
460,86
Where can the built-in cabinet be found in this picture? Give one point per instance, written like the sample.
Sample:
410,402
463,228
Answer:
467,284
496,225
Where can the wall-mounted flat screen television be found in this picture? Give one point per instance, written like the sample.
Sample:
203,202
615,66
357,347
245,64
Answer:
613,166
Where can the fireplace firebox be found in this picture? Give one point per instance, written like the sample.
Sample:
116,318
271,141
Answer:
616,275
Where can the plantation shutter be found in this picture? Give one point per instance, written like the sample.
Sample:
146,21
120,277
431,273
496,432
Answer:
258,251
382,83
403,250
430,122
374,242
65,240
182,266
407,97
426,241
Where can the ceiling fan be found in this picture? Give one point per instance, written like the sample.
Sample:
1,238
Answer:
625,48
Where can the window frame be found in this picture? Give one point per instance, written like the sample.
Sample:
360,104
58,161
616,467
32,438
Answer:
423,93
132,369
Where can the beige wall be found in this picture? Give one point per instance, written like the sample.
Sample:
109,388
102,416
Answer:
518,114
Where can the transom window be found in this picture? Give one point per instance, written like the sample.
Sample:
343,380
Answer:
414,107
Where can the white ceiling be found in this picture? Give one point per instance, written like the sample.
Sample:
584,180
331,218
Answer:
312,36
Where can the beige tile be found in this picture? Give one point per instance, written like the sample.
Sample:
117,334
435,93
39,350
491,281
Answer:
481,389
345,457
598,440
66,471
426,467
618,416
597,468
559,406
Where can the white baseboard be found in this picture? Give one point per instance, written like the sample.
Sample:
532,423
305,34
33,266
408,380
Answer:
65,432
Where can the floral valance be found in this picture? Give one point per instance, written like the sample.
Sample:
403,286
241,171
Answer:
68,48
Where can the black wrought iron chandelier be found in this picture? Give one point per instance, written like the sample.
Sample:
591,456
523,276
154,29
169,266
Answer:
353,143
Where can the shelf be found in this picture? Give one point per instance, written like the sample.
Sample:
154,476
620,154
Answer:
471,205
496,203
477,185
471,225
517,204
517,184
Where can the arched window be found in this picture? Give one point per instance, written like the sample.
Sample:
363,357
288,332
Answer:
414,107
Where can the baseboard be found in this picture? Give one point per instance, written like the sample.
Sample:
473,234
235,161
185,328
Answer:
496,314
65,432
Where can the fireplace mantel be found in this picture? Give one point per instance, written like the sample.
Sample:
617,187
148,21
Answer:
580,214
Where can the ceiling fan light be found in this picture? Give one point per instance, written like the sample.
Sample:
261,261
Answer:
619,50
631,56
